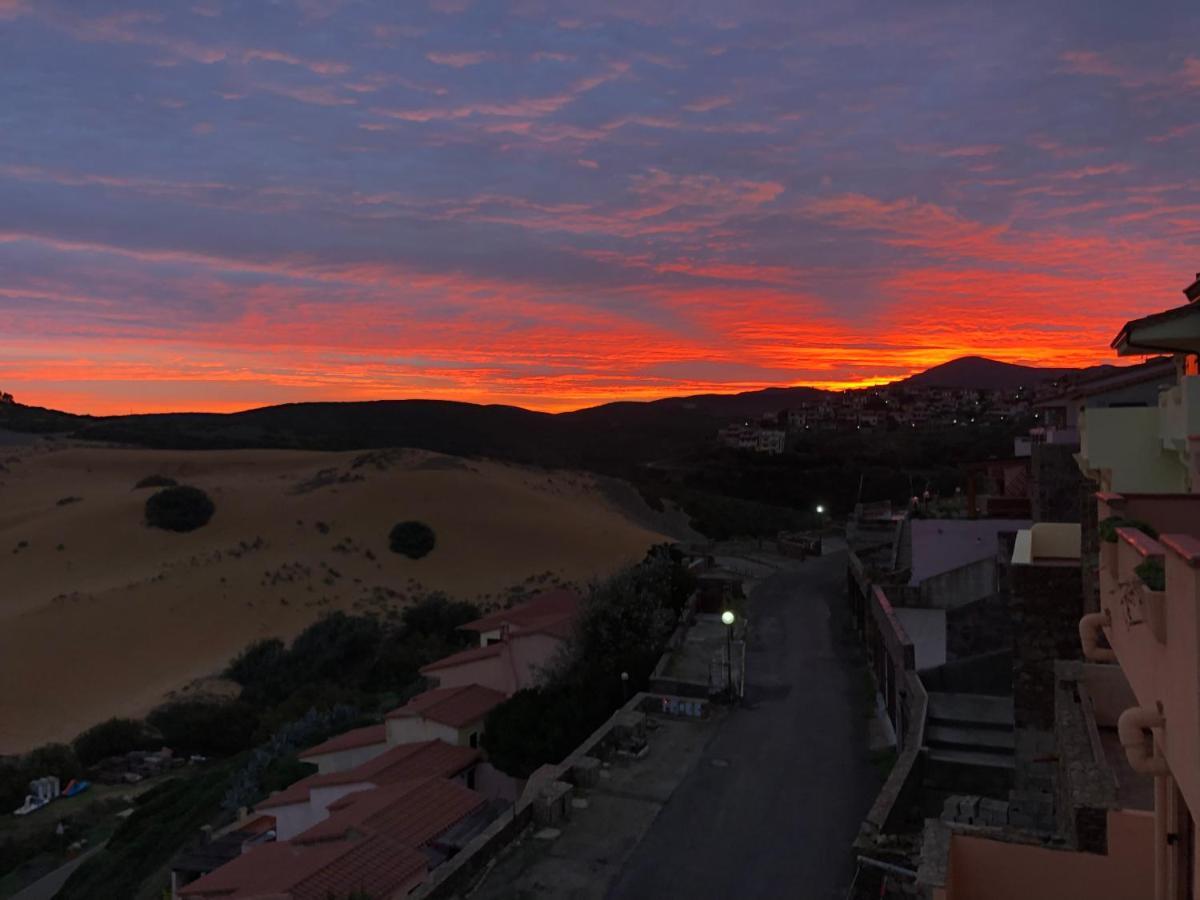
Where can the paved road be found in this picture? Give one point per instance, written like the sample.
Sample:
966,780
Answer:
772,807
46,887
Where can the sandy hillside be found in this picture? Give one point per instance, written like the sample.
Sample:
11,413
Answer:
102,616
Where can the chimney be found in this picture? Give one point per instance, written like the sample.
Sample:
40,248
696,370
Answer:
1192,291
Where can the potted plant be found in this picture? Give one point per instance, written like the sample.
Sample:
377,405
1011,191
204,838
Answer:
1108,539
1153,577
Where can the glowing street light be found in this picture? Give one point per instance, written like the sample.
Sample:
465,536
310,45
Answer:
727,618
820,509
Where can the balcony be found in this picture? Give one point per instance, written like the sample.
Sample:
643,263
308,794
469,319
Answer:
1047,543
1154,633
1179,420
1121,448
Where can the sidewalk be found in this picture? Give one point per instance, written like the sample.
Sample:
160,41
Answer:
582,859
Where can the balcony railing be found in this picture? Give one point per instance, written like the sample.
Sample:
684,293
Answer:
1156,633
1179,413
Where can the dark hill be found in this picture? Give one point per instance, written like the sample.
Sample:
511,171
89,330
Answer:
610,437
982,373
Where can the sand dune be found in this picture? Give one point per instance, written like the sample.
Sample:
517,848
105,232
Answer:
102,616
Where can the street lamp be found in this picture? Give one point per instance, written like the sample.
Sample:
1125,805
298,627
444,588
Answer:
625,685
820,509
727,618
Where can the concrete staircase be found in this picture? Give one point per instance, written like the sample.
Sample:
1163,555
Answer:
970,744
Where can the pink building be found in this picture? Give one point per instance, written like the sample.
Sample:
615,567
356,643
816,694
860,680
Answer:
453,714
308,801
1137,697
375,864
515,645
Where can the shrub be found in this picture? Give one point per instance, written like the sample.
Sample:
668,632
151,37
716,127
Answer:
211,727
623,627
155,481
1153,574
413,539
180,508
438,616
258,663
111,738
1108,527
164,819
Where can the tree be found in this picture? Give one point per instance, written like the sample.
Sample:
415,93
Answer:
413,539
180,508
211,727
111,738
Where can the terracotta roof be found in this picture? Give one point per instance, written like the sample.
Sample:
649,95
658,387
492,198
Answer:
375,864
466,656
551,612
412,813
455,706
350,740
404,761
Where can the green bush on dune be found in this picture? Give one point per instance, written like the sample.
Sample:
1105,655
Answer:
413,539
180,508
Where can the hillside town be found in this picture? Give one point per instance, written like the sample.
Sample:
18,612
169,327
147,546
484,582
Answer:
886,408
1040,674
1036,676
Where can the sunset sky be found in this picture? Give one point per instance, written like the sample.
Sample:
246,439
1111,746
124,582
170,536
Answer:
217,205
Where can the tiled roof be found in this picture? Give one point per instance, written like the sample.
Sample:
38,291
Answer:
551,612
350,740
374,864
404,761
455,706
466,656
412,813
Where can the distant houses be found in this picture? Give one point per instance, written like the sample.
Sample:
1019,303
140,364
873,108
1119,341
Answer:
6,398
891,408
391,801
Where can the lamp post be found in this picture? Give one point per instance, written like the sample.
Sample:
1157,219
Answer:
625,686
727,617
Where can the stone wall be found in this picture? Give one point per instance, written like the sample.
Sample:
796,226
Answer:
1046,603
1087,789
1089,548
1054,483
982,626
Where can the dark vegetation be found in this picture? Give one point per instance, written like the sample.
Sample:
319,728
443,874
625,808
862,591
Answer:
179,508
340,672
413,539
666,448
113,737
164,818
1153,574
1108,528
624,627
155,481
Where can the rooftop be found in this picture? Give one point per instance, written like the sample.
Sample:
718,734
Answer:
551,612
465,656
404,761
350,740
412,813
940,545
374,864
454,706
1175,330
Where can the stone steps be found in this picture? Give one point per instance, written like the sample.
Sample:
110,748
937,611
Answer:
980,709
970,737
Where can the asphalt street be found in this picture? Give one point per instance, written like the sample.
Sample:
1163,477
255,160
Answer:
772,806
